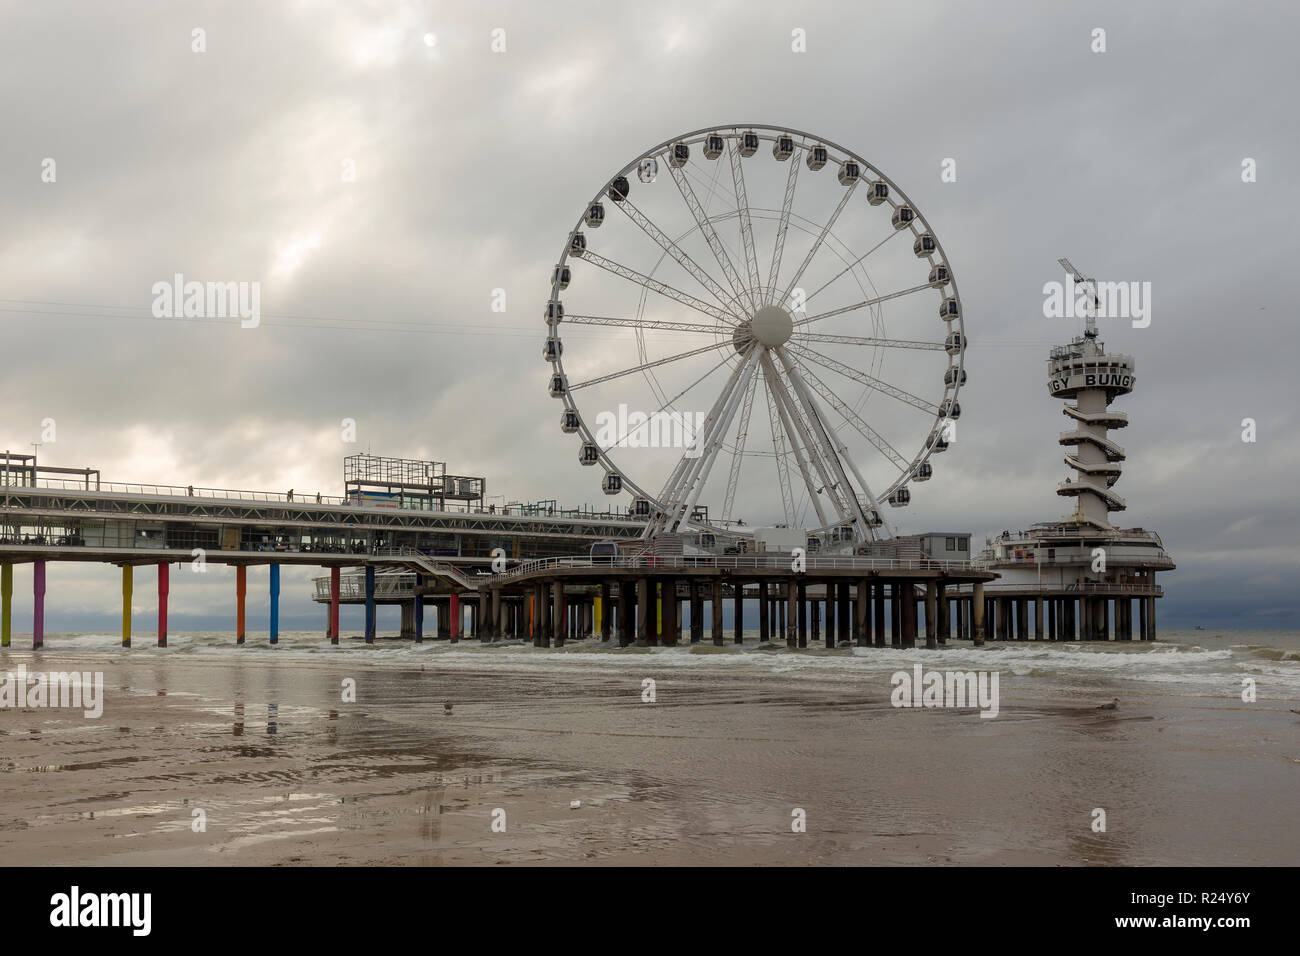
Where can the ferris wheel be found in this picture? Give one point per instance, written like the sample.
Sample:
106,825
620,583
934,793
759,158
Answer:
739,336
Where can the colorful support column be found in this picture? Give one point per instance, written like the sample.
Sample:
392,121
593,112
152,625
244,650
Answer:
335,575
453,615
370,604
275,603
977,612
38,603
164,586
128,584
241,591
603,614
7,603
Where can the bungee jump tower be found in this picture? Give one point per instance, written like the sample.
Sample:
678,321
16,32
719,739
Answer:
1082,572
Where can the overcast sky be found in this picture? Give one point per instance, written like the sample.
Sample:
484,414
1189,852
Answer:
472,165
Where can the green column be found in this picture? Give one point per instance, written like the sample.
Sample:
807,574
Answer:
7,602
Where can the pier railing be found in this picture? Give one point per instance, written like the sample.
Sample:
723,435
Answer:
738,562
514,510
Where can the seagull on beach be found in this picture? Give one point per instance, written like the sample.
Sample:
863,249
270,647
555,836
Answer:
446,708
1113,705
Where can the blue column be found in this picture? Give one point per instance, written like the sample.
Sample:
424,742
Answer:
370,604
419,611
275,604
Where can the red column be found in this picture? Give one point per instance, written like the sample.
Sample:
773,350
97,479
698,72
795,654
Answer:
241,589
164,585
334,604
454,613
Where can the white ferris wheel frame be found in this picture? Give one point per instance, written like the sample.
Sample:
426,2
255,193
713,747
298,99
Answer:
795,405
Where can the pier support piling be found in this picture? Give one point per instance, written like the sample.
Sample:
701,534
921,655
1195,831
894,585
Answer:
7,603
164,586
716,627
128,585
275,603
931,616
370,604
335,586
241,593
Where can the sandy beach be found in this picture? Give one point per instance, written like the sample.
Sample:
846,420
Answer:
285,771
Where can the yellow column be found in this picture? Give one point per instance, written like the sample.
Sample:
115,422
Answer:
7,602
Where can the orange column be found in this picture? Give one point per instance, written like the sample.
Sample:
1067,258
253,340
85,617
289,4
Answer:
241,589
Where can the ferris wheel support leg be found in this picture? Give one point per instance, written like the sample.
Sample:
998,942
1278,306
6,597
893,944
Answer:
782,399
715,437
835,457
680,482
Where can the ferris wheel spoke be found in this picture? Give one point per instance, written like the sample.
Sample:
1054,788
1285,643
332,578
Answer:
860,305
844,201
892,234
646,324
868,380
782,226
746,226
869,340
667,404
654,285
779,452
707,231
680,256
646,365
737,456
854,420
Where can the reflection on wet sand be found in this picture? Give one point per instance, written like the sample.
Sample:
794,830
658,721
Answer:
709,773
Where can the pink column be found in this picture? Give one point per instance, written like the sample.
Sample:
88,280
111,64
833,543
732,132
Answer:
164,585
334,605
38,603
454,613
241,592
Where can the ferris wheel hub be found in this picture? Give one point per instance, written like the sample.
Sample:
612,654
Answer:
772,326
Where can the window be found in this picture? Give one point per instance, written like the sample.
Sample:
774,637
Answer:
965,544
950,544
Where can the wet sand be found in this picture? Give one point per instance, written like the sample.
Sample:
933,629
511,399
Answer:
287,773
